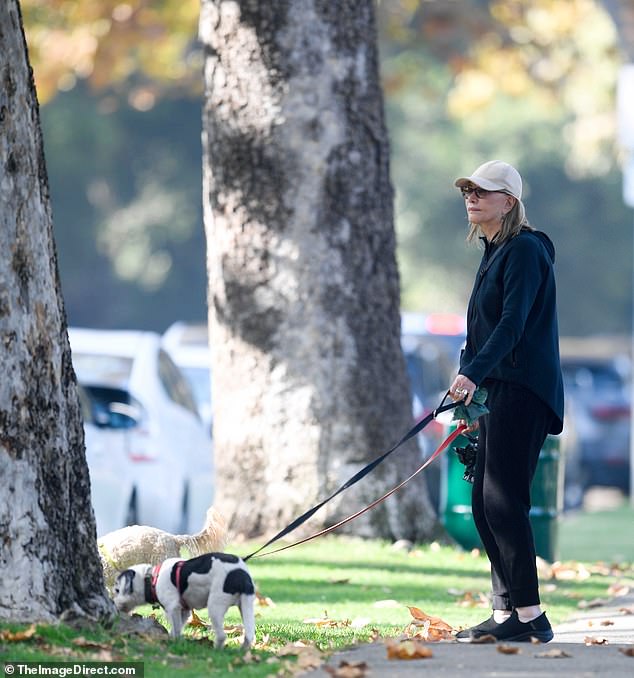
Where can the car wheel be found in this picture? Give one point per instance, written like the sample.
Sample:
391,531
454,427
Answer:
132,516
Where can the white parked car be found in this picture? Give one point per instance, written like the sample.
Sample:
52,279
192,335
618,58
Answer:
188,345
168,451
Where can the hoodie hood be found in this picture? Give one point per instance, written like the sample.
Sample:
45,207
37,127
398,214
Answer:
547,243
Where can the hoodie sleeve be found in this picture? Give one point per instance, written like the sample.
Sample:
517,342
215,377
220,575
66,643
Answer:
522,276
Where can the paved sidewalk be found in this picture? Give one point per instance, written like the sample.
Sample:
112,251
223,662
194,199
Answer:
566,656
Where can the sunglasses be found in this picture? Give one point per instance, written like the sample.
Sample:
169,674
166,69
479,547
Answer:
479,192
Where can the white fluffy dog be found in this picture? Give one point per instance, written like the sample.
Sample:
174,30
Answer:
214,580
142,544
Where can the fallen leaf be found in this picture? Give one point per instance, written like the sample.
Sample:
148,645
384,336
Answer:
553,654
326,622
607,622
627,651
590,604
340,581
375,635
508,649
474,600
89,644
18,636
293,648
428,628
407,649
309,658
196,622
348,670
591,640
263,601
626,610
618,590
570,571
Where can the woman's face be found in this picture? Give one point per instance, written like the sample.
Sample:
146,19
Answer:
487,208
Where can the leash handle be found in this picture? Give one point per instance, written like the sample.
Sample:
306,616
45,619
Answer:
360,474
445,443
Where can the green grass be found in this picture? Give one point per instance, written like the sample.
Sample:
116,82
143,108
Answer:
341,578
601,535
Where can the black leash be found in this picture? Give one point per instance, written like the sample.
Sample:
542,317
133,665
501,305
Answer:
360,474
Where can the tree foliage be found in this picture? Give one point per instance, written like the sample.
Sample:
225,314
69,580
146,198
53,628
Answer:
531,81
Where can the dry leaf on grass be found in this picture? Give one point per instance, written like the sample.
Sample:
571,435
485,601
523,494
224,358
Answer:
553,654
90,644
263,601
428,628
18,636
618,590
407,649
591,640
326,622
470,599
196,622
340,581
348,670
570,571
508,649
591,604
627,651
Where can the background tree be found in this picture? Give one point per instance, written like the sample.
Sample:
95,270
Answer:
309,378
531,80
49,551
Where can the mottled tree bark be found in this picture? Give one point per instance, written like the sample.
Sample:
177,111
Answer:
309,378
48,556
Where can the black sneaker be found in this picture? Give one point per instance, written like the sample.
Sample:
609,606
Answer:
512,630
484,628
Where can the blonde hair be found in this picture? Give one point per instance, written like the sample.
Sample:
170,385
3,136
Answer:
513,223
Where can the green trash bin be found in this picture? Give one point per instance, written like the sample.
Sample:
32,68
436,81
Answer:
455,498
546,500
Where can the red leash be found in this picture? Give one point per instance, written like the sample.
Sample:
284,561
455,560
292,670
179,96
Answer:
445,443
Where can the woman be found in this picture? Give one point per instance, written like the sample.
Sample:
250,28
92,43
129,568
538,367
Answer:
512,349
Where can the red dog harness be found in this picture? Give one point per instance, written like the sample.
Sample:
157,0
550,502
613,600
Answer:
152,578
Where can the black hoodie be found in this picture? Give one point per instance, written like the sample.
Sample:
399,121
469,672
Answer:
512,330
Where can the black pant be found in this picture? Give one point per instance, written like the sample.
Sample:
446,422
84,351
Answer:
510,439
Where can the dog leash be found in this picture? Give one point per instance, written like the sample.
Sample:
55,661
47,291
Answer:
445,443
362,473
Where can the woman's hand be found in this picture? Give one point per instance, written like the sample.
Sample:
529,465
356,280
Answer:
462,389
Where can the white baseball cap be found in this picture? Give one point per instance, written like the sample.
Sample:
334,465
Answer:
495,175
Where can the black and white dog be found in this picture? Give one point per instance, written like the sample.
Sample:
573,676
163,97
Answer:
214,580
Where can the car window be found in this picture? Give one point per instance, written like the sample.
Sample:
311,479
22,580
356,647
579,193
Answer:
104,369
175,384
596,377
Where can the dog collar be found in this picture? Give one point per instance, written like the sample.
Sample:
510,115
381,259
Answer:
150,585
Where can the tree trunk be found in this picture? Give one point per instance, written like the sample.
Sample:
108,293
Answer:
49,557
308,375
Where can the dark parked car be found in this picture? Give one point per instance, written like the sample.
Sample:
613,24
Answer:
598,403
